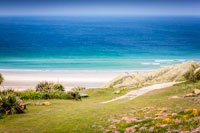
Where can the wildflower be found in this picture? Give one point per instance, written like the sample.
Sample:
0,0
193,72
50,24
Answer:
101,128
167,119
151,129
164,109
187,110
197,118
130,130
184,132
143,128
197,130
148,118
174,114
161,125
115,132
195,112
129,119
177,121
112,126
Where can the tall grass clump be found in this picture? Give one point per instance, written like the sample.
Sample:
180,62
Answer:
10,104
49,87
1,78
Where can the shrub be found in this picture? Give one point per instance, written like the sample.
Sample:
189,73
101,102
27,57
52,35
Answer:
75,93
48,87
43,86
197,75
78,88
10,104
190,76
31,94
1,79
57,87
7,91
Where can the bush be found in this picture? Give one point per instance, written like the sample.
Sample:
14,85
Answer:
48,87
43,86
31,94
7,91
10,104
57,87
1,79
197,75
74,95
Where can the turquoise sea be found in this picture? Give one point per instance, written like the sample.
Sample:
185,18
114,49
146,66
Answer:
97,43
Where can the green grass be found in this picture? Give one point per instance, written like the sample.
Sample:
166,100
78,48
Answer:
89,115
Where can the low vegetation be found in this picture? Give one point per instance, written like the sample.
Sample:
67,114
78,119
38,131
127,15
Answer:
49,87
1,78
158,111
10,104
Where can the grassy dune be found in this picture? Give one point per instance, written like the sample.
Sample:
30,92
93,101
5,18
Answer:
89,115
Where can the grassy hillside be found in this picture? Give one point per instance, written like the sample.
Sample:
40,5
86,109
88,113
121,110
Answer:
89,115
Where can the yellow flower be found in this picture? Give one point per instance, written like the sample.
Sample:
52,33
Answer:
185,116
195,112
167,119
187,110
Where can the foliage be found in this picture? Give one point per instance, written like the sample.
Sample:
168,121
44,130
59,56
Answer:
10,104
75,95
151,119
31,94
43,86
92,116
78,88
6,92
48,87
1,78
57,87
190,76
197,75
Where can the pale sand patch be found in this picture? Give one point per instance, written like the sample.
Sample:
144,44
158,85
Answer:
135,93
28,79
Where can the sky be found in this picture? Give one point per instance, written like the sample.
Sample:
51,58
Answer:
99,7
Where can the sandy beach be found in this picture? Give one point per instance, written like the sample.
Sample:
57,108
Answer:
26,79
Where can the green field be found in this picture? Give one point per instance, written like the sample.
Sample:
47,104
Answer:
89,115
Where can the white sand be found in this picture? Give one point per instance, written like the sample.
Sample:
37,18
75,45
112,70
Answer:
26,79
135,93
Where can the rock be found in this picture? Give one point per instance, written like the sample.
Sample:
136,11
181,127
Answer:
189,95
174,97
83,95
46,103
196,91
117,92
166,74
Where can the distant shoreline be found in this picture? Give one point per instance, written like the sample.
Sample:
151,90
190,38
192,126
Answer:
20,79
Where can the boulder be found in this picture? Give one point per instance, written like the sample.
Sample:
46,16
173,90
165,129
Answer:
196,91
83,95
190,95
117,92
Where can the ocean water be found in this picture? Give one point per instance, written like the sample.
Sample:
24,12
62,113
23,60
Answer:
97,43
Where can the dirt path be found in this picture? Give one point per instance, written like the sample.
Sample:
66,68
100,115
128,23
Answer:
135,93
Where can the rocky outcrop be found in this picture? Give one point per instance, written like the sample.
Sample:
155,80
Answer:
166,74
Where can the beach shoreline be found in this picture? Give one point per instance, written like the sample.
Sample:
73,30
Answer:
27,79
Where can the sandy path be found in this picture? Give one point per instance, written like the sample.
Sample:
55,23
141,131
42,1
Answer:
135,93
